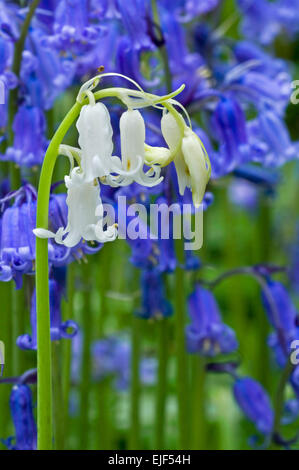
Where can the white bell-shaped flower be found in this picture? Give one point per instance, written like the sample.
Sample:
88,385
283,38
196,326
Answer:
85,214
191,160
95,140
198,165
130,167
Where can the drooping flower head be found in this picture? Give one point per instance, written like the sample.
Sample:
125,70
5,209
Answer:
17,249
255,403
29,142
96,163
282,315
21,408
207,334
191,160
154,302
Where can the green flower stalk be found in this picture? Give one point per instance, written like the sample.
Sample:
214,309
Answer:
95,166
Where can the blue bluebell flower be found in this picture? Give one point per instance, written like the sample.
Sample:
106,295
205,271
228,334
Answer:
247,52
8,80
9,20
73,30
207,334
135,23
255,404
287,13
229,122
158,254
58,328
185,66
128,63
270,140
44,15
264,20
148,252
187,10
17,249
54,72
281,311
258,89
282,315
244,194
103,53
259,20
21,408
30,143
154,302
192,262
291,411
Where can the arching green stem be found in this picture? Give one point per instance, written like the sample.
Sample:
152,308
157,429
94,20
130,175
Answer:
44,389
44,382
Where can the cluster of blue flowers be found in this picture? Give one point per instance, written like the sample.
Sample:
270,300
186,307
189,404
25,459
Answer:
242,91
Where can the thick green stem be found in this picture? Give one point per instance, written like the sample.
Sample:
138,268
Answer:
279,397
181,358
162,330
44,385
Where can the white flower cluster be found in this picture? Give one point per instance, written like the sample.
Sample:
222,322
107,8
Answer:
97,164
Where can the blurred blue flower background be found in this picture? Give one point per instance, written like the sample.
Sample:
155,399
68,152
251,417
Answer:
154,347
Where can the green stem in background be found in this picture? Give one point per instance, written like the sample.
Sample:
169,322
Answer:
18,306
181,356
161,388
103,431
58,404
15,175
85,385
162,48
134,442
279,397
263,254
67,346
198,431
235,302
